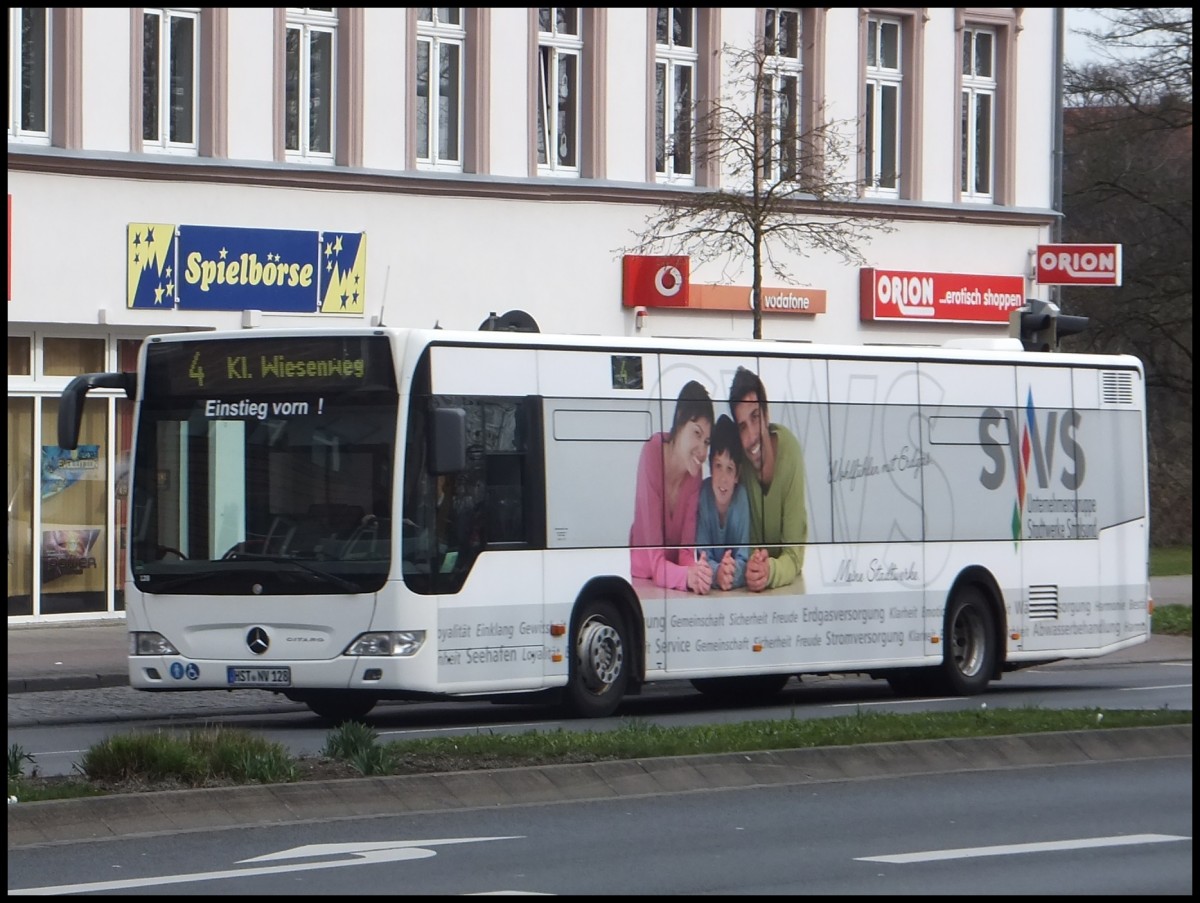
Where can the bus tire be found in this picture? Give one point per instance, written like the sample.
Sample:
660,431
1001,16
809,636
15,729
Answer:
600,660
969,657
338,706
752,688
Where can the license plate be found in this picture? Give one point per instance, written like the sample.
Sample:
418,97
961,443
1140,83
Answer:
259,677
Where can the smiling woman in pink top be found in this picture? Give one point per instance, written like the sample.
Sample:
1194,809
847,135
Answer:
670,473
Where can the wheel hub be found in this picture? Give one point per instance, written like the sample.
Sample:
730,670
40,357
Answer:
600,654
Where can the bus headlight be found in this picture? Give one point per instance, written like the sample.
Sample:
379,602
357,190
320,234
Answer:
396,642
147,642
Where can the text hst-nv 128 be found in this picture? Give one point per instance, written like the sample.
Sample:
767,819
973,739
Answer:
380,513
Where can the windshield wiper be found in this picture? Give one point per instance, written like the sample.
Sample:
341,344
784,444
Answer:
215,573
185,580
342,582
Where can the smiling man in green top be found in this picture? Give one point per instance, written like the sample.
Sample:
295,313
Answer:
773,474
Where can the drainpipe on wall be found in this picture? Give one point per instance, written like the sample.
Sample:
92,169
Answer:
1056,126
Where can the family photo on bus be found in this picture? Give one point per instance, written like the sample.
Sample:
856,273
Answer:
743,525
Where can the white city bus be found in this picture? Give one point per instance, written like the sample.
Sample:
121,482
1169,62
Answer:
346,516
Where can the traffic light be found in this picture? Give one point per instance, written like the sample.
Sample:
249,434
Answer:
1040,324
1066,325
1033,324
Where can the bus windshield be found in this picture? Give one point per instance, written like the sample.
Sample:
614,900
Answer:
263,473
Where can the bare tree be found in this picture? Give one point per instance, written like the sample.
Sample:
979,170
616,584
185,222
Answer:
1127,179
782,185
1144,64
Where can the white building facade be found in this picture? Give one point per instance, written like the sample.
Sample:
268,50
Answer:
176,169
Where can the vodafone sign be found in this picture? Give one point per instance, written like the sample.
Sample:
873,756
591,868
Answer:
666,282
918,297
1079,264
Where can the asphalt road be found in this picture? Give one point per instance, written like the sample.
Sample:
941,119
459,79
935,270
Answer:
52,659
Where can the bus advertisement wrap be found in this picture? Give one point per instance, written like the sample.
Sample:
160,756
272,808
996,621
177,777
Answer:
358,515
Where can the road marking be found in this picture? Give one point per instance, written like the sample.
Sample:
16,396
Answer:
546,726
361,853
856,705
1166,687
1010,849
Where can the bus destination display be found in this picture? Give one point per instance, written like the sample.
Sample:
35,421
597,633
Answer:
268,365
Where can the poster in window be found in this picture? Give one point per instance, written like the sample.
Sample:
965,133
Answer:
69,550
63,468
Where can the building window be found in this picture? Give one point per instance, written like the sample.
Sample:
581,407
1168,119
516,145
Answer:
441,40
560,48
170,79
309,42
675,60
885,71
71,539
19,355
978,122
978,113
21,476
28,75
72,357
784,66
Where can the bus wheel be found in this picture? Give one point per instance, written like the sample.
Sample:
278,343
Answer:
338,706
599,666
970,643
752,688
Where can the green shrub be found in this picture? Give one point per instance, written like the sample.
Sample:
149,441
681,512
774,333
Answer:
194,758
348,740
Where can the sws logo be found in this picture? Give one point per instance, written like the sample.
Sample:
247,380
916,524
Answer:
1028,444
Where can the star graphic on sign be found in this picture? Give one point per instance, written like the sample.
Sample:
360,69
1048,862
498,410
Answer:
224,253
150,236
158,294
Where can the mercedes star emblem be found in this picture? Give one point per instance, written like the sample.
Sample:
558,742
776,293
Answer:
257,640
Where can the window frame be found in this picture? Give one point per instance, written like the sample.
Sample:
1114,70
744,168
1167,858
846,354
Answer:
976,87
1006,27
780,67
878,80
437,34
17,106
308,21
164,143
557,45
668,59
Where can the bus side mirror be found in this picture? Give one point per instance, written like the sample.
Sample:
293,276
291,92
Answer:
70,409
448,438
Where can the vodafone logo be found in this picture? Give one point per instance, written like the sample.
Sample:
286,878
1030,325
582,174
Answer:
655,281
668,281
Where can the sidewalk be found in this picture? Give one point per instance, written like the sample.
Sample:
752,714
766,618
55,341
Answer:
84,656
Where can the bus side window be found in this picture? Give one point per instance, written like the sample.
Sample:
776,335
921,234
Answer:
505,521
